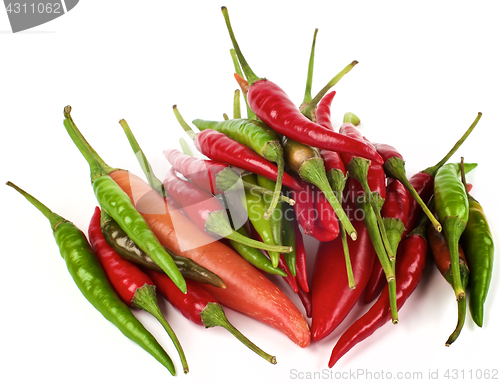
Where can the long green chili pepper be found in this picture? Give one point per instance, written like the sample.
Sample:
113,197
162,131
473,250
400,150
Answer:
123,245
255,210
276,218
477,243
117,204
306,161
257,136
90,278
452,208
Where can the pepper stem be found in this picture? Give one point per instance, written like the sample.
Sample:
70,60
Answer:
145,299
185,147
350,274
183,123
274,152
453,227
310,69
352,118
433,169
153,181
236,104
53,218
313,171
218,224
249,74
460,323
395,168
237,68
213,315
308,110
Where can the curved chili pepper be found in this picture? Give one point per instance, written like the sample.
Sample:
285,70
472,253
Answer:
394,214
304,206
247,290
326,214
123,245
119,205
308,164
257,136
200,307
477,242
323,112
410,263
423,182
442,258
306,299
91,280
271,104
131,284
452,208
301,257
219,147
332,298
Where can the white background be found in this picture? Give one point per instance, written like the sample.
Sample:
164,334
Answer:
424,72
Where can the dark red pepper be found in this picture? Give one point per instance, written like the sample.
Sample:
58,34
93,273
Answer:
326,215
301,259
323,117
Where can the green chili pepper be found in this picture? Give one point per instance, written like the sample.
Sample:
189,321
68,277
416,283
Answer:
90,278
255,210
288,235
257,136
117,204
276,217
123,245
452,208
477,243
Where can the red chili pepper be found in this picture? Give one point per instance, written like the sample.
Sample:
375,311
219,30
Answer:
200,307
410,263
301,256
219,147
326,215
332,299
304,206
201,172
271,104
323,111
131,284
396,207
306,299
207,212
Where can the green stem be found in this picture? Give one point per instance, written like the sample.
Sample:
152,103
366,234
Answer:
250,114
433,169
145,299
345,246
218,224
53,218
249,74
236,104
153,181
185,147
395,168
225,117
274,152
213,315
313,171
460,323
183,123
310,69
308,110
352,118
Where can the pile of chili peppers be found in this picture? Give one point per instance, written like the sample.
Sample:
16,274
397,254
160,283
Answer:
206,236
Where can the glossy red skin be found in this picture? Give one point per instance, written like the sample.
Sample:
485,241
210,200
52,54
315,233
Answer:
304,206
125,276
271,104
191,304
424,185
396,205
323,111
332,299
219,147
200,172
187,194
387,151
376,173
326,215
409,266
301,258
332,160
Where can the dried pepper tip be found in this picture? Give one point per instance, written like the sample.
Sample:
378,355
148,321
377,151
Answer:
213,315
